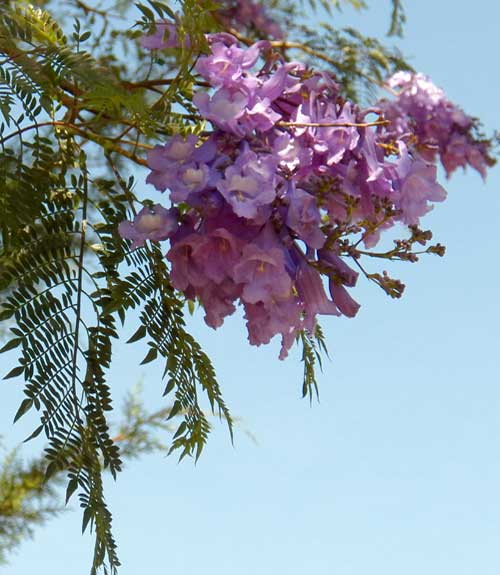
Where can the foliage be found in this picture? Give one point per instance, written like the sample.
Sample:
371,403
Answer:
27,500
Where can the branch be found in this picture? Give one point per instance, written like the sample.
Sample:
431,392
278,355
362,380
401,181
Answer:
103,141
150,84
93,10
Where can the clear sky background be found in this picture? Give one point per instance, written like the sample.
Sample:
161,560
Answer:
397,469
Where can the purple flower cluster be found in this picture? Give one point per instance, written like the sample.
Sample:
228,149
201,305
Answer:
166,35
240,14
270,199
422,111
244,14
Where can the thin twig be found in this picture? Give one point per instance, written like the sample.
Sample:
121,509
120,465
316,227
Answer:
159,82
105,14
31,127
103,141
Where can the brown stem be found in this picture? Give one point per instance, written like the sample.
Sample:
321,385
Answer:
149,84
103,141
31,127
107,144
92,10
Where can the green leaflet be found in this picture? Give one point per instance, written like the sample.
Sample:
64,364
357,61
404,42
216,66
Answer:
313,345
398,18
64,352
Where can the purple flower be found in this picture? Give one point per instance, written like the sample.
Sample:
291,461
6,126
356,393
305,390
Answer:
304,218
249,14
249,183
283,317
273,87
224,108
181,150
417,187
165,36
262,269
337,265
181,165
460,151
191,179
244,101
238,111
336,141
371,168
263,274
176,150
219,252
152,223
260,116
187,273
226,64
291,153
440,127
312,294
347,306
201,257
218,301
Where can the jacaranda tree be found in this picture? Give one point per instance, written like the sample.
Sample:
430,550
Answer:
226,154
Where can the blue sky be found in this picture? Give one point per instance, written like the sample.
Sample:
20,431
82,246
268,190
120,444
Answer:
397,469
